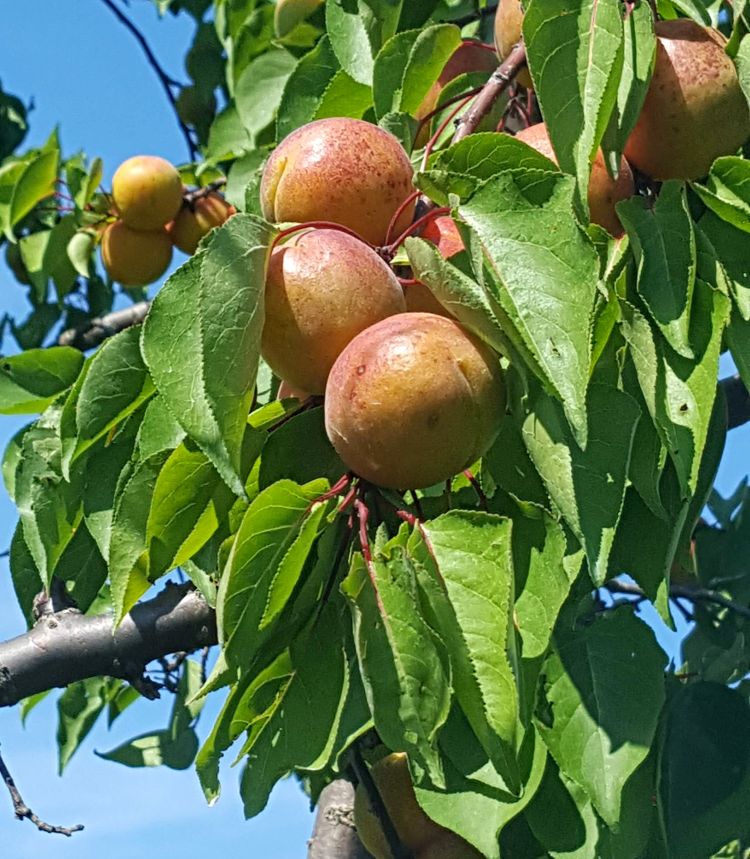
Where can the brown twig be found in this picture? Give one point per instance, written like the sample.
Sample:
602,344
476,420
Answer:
167,82
492,90
23,812
694,594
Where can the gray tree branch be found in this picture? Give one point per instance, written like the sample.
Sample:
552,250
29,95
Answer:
69,646
334,835
98,330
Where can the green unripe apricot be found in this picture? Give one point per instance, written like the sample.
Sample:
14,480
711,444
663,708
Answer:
413,401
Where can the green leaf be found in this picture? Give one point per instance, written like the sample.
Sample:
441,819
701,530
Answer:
113,385
260,88
268,556
158,430
704,766
738,340
475,803
13,124
45,255
128,554
639,55
189,500
663,241
404,664
300,729
32,180
300,451
545,274
315,84
155,750
605,689
409,64
27,582
357,30
29,382
78,708
470,555
587,486
575,55
49,506
201,340
679,392
727,191
732,250
82,568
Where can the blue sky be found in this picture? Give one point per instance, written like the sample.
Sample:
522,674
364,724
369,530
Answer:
86,73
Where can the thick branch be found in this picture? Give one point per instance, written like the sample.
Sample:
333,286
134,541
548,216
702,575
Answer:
166,81
23,812
493,89
334,835
98,330
65,647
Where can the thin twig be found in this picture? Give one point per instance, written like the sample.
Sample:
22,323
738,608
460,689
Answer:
694,594
475,16
96,331
166,81
23,812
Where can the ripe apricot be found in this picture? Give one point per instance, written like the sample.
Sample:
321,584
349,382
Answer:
287,391
322,288
135,257
342,170
508,23
443,233
604,191
694,109
414,400
147,192
196,220
421,835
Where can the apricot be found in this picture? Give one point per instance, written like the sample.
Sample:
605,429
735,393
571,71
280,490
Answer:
421,835
508,24
147,192
342,170
290,13
414,400
694,109
287,391
322,289
604,191
135,257
196,220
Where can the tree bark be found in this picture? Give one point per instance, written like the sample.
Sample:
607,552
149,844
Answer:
68,646
334,835
98,330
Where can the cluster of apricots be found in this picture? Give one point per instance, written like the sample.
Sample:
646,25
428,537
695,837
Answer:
694,112
153,215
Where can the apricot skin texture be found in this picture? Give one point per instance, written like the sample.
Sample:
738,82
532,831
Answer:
191,224
135,257
147,191
508,23
694,110
322,289
604,191
413,401
340,170
421,835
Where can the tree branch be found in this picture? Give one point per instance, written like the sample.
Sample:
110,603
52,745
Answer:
334,834
694,594
98,330
166,81
493,89
23,812
69,646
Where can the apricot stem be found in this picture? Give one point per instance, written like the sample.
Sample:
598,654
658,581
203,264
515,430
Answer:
415,226
462,96
441,128
478,489
397,214
318,225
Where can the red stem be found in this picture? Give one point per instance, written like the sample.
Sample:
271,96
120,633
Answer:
318,225
414,228
397,214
